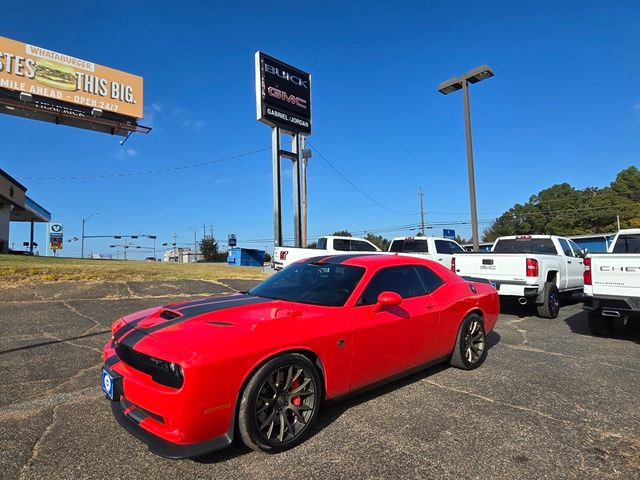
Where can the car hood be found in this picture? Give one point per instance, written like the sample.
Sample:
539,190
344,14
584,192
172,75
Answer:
212,324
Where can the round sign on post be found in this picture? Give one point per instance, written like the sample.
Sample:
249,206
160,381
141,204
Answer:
232,241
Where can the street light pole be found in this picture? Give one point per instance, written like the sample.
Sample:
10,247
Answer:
470,169
452,85
84,220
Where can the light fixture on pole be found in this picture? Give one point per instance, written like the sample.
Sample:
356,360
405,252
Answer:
84,220
452,85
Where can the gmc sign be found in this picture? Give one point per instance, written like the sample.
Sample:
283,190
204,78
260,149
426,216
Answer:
283,95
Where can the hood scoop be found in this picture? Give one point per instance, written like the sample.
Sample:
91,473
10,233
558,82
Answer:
169,314
221,324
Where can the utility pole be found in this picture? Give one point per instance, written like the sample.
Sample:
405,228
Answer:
421,195
618,218
125,248
175,246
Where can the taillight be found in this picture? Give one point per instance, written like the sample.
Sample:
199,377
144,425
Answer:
587,271
453,264
532,267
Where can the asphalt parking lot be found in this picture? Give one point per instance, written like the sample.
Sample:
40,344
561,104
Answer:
551,401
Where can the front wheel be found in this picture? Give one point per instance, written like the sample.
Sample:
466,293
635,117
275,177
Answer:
551,297
470,350
279,404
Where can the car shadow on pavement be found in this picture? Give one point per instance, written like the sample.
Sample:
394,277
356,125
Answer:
578,324
332,410
510,306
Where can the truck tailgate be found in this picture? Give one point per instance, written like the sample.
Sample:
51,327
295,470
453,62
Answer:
498,267
615,274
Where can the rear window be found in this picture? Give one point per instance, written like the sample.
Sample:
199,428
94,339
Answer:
627,244
360,246
409,246
525,245
322,243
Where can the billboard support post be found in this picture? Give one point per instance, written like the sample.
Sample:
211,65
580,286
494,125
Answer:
283,101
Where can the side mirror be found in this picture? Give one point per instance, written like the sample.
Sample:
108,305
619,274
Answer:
387,299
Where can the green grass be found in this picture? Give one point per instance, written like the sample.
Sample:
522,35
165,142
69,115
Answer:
23,270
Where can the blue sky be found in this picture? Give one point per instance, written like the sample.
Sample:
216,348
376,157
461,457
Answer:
564,106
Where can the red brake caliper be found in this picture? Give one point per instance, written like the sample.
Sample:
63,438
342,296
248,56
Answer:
297,401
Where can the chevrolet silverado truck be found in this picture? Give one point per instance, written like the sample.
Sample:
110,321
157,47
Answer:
531,268
438,249
612,283
285,256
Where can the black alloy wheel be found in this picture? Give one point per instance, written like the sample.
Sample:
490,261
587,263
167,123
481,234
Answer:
279,403
470,350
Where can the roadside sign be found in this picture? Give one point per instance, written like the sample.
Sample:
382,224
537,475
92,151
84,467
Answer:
55,235
448,233
283,95
232,241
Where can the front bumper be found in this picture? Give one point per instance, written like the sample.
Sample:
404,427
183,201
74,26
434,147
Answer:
174,423
130,421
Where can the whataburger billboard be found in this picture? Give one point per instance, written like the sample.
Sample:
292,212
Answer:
63,78
283,95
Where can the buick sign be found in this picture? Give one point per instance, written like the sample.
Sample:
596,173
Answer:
283,95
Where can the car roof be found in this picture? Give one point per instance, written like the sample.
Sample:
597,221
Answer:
368,259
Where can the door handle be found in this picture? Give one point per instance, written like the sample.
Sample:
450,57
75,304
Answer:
568,261
580,263
439,259
427,307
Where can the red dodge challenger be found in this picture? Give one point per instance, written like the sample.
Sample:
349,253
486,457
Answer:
186,377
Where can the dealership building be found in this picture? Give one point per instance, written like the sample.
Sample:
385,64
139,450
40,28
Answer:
16,206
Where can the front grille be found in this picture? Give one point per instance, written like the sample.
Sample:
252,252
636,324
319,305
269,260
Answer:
157,368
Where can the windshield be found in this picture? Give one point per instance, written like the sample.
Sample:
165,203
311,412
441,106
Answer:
317,284
525,245
627,244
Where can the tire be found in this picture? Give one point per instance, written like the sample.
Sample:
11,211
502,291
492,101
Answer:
599,325
470,350
270,418
551,306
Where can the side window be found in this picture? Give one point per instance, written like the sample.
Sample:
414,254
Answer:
322,244
429,278
577,251
442,246
341,244
403,280
455,248
360,246
565,247
397,246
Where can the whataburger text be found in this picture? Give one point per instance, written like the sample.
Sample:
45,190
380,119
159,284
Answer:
38,71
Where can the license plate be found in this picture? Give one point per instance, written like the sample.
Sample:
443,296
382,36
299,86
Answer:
107,383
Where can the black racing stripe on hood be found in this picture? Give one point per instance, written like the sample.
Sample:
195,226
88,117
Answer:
138,334
127,327
194,303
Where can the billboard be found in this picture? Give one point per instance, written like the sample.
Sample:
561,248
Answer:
62,78
283,95
448,233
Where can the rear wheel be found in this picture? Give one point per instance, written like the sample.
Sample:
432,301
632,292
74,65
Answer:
600,325
470,350
551,306
279,404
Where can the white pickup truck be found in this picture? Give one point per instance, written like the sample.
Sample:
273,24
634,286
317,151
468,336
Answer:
532,268
612,283
438,249
285,256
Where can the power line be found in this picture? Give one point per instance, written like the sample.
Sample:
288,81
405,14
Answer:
152,172
374,200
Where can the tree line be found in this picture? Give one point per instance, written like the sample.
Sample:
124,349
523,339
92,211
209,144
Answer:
565,210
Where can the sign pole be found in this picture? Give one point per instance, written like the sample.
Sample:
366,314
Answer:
277,194
296,160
